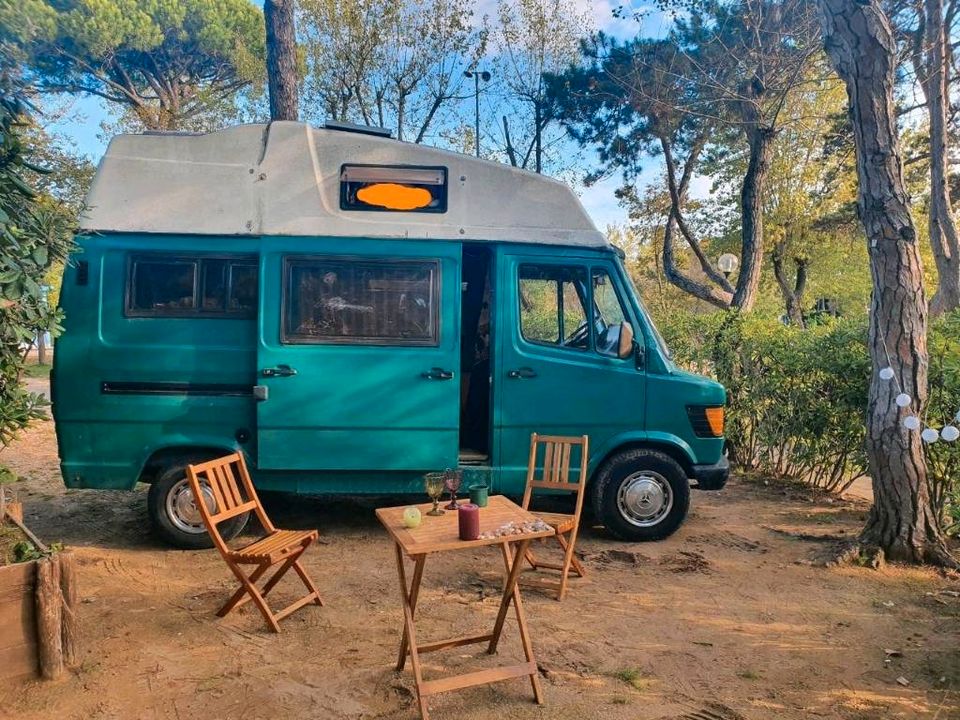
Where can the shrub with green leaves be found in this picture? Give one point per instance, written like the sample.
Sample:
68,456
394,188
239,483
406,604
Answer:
34,234
943,408
798,397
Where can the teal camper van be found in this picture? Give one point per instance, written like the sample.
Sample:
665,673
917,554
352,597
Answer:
352,311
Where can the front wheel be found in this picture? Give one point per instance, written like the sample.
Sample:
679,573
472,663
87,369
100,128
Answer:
174,515
641,495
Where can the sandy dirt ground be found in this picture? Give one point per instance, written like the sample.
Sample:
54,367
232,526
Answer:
727,619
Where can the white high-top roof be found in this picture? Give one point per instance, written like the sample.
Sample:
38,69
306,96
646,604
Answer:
284,179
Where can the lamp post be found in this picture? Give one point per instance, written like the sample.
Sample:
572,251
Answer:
477,76
727,263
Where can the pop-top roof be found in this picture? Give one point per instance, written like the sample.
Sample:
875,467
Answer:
284,179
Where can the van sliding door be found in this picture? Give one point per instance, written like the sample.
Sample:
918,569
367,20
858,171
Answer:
358,355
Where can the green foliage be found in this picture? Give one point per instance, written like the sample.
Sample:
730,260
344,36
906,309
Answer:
169,62
25,551
33,236
797,398
943,408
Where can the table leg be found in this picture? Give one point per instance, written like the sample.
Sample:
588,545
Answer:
509,588
522,624
413,595
409,634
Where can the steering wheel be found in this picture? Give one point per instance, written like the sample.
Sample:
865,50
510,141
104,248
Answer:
579,337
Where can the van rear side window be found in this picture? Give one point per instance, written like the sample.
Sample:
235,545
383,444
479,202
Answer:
191,286
361,301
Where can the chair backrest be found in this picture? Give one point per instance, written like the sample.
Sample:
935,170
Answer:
233,493
555,474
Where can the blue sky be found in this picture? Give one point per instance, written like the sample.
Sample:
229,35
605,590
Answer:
82,123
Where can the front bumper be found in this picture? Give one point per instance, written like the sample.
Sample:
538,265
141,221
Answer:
712,477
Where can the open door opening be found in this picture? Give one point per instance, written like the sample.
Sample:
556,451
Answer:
475,350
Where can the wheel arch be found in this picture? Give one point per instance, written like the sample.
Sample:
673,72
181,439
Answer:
161,457
670,445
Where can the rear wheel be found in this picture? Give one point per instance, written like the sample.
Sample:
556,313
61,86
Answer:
173,512
641,495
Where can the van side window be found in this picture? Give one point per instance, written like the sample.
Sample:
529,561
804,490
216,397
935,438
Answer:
608,313
196,286
361,301
552,307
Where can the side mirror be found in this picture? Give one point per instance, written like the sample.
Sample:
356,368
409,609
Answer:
625,347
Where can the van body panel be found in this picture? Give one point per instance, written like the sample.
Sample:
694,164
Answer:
355,418
385,405
560,390
668,396
124,387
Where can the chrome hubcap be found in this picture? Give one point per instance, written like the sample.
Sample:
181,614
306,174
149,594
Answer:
182,510
644,498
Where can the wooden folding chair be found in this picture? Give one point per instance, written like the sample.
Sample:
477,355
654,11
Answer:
279,547
556,477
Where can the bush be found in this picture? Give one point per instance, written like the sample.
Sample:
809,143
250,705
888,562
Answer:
798,398
33,236
943,404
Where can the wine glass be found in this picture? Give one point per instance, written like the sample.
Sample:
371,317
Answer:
451,480
433,485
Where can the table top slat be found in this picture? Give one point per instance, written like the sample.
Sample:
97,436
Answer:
442,533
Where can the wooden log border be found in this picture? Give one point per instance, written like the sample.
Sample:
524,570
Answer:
39,625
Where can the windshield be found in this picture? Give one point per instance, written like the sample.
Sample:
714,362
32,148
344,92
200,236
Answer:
661,343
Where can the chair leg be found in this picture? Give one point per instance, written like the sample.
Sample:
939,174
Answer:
241,596
281,571
307,581
528,556
248,586
248,589
577,566
567,561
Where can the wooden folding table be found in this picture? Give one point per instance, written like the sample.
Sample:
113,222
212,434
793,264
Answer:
439,534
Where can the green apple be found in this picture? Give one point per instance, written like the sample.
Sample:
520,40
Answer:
411,517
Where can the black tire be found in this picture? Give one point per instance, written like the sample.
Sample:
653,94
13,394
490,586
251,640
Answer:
633,479
162,500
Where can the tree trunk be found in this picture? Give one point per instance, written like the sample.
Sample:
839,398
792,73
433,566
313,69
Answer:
538,138
281,59
943,229
792,293
717,296
760,140
902,522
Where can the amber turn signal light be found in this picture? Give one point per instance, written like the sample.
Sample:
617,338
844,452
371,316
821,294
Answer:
715,419
707,422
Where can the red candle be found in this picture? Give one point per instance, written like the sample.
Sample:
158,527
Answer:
469,516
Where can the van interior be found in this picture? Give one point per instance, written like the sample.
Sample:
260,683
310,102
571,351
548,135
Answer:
475,390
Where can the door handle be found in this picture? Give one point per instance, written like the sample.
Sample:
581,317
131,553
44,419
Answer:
437,374
279,371
524,373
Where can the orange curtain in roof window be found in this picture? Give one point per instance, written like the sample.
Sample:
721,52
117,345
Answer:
394,196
